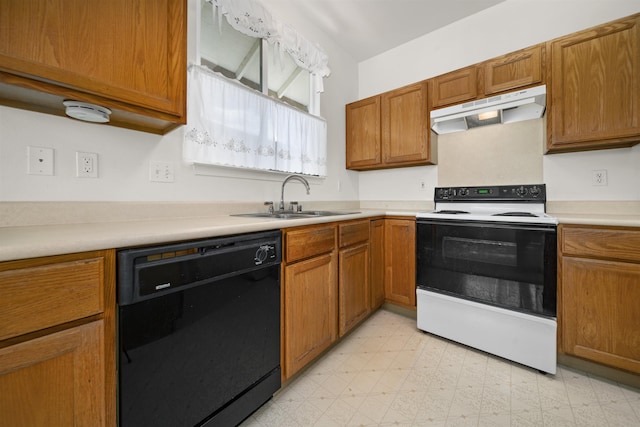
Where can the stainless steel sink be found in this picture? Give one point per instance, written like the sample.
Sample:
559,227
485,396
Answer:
294,215
325,213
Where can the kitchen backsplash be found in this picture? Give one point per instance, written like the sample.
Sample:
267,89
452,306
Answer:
492,155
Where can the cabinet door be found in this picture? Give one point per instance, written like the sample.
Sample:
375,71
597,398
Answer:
454,87
600,316
310,304
353,283
400,261
54,380
405,126
128,55
594,95
363,134
515,70
376,263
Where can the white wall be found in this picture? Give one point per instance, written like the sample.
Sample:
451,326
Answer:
124,155
508,26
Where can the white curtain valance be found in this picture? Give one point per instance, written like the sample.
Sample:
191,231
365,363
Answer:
252,18
229,124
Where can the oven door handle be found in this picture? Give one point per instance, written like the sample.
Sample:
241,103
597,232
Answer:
548,228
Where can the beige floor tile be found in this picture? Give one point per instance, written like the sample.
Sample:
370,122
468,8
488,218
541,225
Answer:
388,373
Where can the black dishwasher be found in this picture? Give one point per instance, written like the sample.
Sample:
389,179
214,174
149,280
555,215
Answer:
198,330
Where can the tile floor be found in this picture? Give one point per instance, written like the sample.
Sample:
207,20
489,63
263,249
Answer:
388,373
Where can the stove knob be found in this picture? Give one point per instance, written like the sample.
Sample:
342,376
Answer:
463,192
534,191
521,191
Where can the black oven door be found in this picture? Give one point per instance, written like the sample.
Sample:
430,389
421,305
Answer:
509,265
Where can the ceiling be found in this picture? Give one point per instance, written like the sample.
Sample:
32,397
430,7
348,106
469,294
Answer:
366,28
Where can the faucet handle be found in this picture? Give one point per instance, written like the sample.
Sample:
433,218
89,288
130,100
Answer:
293,206
270,206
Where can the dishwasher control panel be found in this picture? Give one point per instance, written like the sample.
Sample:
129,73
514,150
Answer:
265,253
144,273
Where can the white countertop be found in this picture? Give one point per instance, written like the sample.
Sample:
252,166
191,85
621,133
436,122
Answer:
114,229
44,240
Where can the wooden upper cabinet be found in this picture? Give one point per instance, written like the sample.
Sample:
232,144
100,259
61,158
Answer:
514,70
364,149
405,125
454,87
594,91
390,130
126,55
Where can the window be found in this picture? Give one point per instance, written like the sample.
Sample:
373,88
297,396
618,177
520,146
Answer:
239,56
254,99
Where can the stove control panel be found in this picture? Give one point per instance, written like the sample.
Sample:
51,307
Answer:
494,193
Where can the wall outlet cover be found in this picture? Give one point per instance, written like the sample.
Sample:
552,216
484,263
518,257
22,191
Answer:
39,161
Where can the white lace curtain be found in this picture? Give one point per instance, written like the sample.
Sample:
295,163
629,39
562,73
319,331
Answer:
231,125
251,18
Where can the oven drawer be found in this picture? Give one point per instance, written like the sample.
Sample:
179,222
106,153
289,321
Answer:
619,244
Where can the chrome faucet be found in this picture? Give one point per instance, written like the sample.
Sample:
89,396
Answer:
287,179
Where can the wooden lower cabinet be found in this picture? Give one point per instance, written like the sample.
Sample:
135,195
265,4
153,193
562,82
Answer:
57,341
55,380
376,262
400,261
353,275
599,291
310,293
335,275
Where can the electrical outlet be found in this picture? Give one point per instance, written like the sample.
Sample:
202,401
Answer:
86,165
161,171
39,161
599,177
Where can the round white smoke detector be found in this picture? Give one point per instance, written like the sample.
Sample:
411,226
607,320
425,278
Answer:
87,112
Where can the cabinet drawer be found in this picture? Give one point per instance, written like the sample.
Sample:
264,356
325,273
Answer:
309,241
353,232
40,296
601,243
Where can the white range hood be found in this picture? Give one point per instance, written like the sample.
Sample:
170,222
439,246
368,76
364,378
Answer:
510,107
